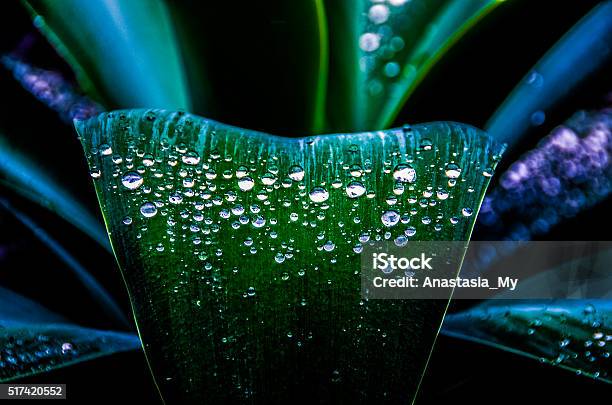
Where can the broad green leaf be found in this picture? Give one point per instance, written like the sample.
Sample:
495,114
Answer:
34,340
572,334
30,180
123,52
98,292
381,51
241,250
582,51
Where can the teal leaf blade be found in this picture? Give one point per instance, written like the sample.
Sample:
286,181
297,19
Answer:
241,249
89,282
123,53
30,180
578,54
570,334
34,340
382,51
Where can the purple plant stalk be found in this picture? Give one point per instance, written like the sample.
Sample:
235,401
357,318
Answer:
52,89
569,171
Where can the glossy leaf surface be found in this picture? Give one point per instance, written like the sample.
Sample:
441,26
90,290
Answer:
89,282
123,52
580,53
241,249
30,180
34,340
573,334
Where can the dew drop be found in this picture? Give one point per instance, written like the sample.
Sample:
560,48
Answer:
191,158
66,347
268,179
390,218
318,194
410,231
148,160
105,149
442,194
241,171
246,183
296,173
452,171
279,258
175,198
355,189
404,173
95,173
148,210
131,180
426,144
356,171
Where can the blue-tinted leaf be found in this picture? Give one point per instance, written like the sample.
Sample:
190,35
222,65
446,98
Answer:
97,291
382,50
572,334
34,340
123,52
31,181
584,49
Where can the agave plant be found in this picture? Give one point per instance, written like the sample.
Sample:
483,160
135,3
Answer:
240,249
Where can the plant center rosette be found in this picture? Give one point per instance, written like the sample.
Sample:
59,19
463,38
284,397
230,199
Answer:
241,250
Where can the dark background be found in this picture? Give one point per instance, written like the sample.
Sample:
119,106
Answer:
467,85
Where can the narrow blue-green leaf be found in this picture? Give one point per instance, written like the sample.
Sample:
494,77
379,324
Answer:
97,291
30,180
320,98
384,50
571,334
583,50
123,52
16,308
34,340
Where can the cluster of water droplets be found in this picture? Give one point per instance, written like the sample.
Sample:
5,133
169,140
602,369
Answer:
255,206
25,353
575,334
